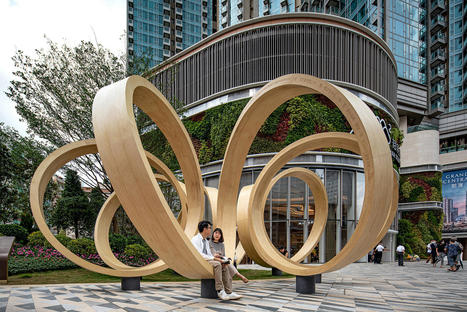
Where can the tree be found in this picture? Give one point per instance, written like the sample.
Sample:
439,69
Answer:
73,209
54,91
19,158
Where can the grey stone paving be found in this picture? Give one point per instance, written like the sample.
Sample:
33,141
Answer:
358,287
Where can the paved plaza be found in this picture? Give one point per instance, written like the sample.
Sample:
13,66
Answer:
358,287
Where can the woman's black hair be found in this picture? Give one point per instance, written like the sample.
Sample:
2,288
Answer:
221,240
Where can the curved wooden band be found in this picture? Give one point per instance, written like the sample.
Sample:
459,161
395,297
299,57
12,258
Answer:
251,218
129,170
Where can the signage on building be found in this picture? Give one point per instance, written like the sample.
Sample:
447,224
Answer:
455,200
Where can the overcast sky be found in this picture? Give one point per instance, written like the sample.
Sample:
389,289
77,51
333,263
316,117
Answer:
25,22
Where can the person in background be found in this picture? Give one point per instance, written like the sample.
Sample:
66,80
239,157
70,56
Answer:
217,249
428,251
379,253
221,273
283,251
400,251
452,251
459,255
434,254
441,250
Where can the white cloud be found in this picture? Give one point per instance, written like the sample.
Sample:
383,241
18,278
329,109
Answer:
25,22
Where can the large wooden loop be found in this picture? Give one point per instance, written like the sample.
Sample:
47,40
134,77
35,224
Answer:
129,170
368,140
108,210
251,217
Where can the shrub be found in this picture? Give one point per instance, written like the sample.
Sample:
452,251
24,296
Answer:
15,230
62,238
37,239
135,239
137,251
118,242
82,246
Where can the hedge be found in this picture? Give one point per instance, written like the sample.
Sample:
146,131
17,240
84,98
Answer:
19,232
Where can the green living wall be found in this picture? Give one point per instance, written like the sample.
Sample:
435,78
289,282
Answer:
420,187
418,228
299,117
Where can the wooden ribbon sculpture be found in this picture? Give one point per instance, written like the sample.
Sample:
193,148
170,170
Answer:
129,169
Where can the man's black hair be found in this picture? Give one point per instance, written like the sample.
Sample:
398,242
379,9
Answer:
203,224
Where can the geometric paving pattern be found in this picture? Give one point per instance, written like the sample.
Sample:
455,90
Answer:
358,287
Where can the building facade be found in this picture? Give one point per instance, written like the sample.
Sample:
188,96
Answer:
234,63
158,29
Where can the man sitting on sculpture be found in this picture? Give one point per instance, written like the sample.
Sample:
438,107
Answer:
221,273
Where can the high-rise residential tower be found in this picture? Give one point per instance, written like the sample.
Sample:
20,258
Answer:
158,29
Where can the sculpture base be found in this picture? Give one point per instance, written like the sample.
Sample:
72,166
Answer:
208,289
131,283
305,284
276,272
317,278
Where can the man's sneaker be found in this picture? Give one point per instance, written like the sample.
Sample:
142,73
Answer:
234,296
223,295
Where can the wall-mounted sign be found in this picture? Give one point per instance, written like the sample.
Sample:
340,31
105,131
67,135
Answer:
455,200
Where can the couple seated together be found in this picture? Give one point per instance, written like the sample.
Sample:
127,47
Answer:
214,252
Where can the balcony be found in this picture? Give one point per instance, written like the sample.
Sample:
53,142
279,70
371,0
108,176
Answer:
166,30
422,17
438,57
437,91
166,53
178,11
179,23
166,18
438,40
437,105
178,34
437,7
437,75
422,3
240,4
423,49
178,45
437,23
266,10
422,34
166,6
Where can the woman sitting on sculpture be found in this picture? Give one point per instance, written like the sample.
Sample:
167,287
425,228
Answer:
218,250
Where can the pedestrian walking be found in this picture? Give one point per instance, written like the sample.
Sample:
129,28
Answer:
441,249
379,253
434,254
428,251
400,251
453,250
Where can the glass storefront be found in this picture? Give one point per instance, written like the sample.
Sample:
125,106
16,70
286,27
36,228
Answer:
290,209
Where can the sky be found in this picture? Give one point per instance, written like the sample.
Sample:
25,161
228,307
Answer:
24,24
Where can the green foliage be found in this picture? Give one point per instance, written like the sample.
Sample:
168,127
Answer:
205,152
73,209
135,239
37,239
63,239
19,232
19,158
137,251
82,246
118,242
32,264
264,145
406,236
54,89
397,135
420,187
417,229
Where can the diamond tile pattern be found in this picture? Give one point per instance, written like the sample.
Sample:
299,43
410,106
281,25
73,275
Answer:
358,287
